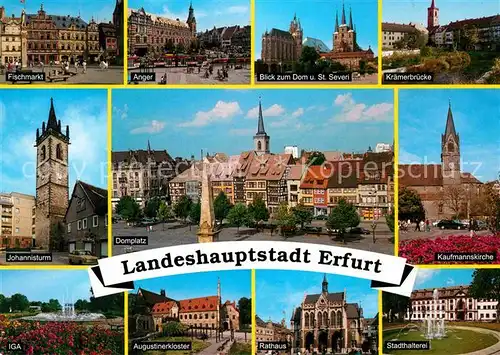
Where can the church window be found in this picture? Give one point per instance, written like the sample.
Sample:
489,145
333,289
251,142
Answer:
59,154
259,145
44,153
332,318
319,320
339,319
325,318
306,320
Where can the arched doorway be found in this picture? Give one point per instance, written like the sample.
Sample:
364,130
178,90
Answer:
225,326
322,342
309,341
337,341
460,310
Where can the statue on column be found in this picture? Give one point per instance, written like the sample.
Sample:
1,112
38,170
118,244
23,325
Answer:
208,231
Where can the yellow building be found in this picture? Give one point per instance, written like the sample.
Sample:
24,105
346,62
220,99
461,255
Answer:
17,219
13,39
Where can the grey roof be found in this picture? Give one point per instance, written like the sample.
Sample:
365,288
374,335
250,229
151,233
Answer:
334,297
353,310
280,33
297,314
62,22
315,43
450,124
260,128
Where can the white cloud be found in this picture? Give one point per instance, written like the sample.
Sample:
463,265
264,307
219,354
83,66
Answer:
272,111
424,275
359,112
151,127
121,112
223,111
181,16
237,9
299,112
450,282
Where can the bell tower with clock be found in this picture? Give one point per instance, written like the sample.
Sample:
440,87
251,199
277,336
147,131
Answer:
51,177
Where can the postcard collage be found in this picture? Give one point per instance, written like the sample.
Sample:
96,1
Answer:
250,177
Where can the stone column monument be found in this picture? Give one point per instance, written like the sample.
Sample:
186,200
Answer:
208,230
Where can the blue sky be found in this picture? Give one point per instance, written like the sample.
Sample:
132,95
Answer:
278,291
405,11
317,18
185,121
476,115
42,285
208,13
22,111
234,285
433,278
101,10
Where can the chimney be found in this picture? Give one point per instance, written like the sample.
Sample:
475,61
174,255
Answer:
163,293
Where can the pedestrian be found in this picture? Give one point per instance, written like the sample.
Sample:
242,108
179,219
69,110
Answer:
84,66
76,66
417,226
422,226
427,225
471,227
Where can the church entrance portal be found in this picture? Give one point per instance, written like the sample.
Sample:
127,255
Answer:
337,341
322,342
309,341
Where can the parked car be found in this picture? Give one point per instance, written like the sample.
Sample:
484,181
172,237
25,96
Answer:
481,225
82,257
358,230
312,229
449,224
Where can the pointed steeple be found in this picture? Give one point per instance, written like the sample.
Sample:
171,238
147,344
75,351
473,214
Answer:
337,21
52,121
149,146
350,18
343,14
260,128
433,6
450,124
190,6
324,285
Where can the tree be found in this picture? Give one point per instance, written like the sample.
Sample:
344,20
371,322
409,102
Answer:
410,205
195,213
164,213
486,284
19,302
4,304
454,199
82,305
302,214
221,206
152,206
179,48
129,209
343,216
316,158
245,307
470,37
309,55
52,306
258,210
170,46
389,218
394,305
172,329
183,207
57,233
285,218
238,216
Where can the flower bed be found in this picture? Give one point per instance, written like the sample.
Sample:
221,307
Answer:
422,251
54,338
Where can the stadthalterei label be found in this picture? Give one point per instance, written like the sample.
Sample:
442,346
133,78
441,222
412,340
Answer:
389,272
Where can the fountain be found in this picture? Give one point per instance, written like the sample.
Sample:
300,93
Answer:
433,327
66,314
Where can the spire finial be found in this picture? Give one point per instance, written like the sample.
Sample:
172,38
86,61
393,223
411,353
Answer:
337,21
343,13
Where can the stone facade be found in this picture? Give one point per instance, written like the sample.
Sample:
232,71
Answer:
327,323
17,220
280,46
51,178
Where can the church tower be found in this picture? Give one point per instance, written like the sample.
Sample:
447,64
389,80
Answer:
261,139
51,177
297,34
344,36
191,20
324,285
432,16
450,152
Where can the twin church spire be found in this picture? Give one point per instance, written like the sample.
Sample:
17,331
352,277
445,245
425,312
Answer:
343,19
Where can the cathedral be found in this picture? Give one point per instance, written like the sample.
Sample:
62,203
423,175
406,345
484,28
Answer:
438,183
280,46
51,177
325,322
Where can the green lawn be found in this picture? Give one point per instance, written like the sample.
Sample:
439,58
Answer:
197,345
240,349
458,341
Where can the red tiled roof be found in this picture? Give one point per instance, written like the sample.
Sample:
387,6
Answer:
468,178
316,177
269,166
420,175
443,292
163,307
199,304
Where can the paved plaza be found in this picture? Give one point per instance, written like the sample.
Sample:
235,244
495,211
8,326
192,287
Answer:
178,75
434,233
94,75
172,234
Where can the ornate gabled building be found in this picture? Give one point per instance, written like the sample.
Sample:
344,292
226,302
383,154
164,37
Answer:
52,175
437,184
13,38
325,322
